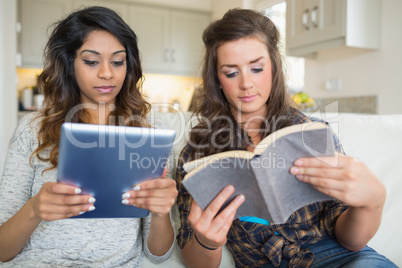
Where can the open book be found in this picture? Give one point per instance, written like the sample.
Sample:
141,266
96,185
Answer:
263,177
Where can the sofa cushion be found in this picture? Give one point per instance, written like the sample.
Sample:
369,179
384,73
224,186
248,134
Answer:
377,141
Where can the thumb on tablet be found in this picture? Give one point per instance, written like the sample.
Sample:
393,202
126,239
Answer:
164,173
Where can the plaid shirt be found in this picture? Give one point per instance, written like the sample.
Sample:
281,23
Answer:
253,244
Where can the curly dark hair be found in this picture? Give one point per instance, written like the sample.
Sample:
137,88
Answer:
212,107
58,83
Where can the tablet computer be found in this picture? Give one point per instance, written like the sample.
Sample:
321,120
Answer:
106,161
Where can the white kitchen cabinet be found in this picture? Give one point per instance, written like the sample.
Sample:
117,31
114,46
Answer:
36,16
169,39
121,8
315,25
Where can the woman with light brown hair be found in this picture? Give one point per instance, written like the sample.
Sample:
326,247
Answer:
245,99
92,74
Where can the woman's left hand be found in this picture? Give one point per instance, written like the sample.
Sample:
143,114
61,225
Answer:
342,177
157,195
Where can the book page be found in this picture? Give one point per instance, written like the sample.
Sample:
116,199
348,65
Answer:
267,141
195,165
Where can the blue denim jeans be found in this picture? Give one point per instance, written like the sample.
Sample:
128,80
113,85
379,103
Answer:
329,254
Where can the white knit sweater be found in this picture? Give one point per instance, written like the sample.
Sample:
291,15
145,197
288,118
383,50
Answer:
69,242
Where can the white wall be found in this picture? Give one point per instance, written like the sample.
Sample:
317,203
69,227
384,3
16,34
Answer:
204,5
8,76
365,73
219,7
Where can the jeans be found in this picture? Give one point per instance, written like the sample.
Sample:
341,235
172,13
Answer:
329,254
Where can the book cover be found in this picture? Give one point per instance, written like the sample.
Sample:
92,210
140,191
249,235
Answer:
263,177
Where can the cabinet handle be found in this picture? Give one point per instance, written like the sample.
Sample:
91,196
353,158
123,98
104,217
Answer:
305,19
172,58
166,55
314,17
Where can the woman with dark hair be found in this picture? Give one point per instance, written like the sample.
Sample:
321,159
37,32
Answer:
92,74
243,101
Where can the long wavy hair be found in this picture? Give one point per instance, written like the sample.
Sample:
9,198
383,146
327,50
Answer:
58,83
213,108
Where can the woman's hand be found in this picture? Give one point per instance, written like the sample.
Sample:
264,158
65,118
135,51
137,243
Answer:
157,195
210,227
342,177
57,201
351,182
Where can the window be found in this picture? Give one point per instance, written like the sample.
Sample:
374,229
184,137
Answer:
294,66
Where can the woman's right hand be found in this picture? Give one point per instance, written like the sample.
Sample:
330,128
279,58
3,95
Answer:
57,201
54,201
210,227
